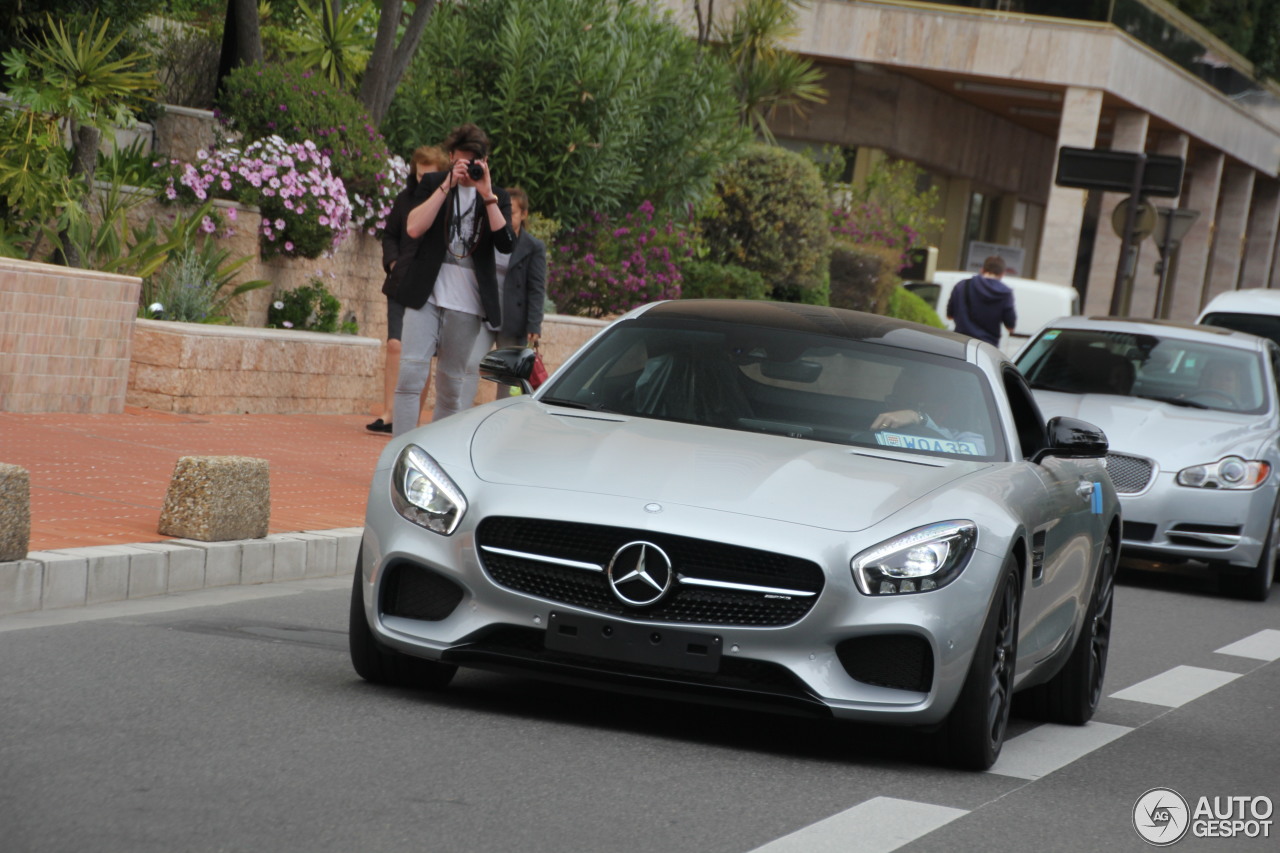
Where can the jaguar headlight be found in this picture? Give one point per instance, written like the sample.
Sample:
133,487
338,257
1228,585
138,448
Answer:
919,560
1230,472
423,493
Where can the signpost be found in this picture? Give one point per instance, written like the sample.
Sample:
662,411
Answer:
1135,172
1172,225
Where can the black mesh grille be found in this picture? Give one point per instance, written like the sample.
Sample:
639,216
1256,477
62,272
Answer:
417,593
1130,474
697,558
901,661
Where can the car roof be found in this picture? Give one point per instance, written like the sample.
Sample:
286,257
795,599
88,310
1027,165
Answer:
1165,328
1251,300
815,319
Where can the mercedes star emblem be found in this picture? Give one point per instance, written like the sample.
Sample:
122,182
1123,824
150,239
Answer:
640,574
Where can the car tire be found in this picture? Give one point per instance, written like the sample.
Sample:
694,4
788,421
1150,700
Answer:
1072,696
973,734
1255,584
378,664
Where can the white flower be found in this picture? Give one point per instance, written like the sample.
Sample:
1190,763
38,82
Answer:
156,308
278,305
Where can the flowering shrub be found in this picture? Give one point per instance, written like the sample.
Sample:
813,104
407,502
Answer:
305,209
605,267
263,101
868,224
310,307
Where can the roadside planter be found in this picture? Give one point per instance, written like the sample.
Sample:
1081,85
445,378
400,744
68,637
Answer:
193,368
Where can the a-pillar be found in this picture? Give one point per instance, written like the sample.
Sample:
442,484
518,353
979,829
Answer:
1146,278
1063,215
1204,170
1130,134
1264,225
1234,201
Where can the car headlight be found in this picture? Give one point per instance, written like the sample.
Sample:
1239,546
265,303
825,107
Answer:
1230,472
919,560
423,493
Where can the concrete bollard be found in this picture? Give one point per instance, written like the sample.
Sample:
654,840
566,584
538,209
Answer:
217,498
15,512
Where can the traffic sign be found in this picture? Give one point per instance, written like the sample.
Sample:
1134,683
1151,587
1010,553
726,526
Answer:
1115,171
1144,222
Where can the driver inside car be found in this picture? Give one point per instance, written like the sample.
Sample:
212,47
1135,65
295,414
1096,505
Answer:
927,404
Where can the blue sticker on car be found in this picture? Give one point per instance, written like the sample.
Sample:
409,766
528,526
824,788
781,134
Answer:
1097,499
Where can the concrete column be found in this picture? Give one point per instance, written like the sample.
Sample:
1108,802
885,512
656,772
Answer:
1205,172
1130,134
1060,237
956,203
1146,280
1264,225
1234,200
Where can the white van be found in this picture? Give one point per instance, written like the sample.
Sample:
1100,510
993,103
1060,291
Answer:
1036,302
1255,310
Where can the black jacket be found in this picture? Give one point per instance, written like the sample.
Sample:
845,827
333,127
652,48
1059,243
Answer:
524,290
396,242
419,278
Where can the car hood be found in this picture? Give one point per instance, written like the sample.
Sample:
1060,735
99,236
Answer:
784,479
1174,436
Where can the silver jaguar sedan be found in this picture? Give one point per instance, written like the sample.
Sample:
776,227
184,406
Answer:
1192,419
779,506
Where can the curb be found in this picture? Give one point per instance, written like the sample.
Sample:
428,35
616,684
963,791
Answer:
79,577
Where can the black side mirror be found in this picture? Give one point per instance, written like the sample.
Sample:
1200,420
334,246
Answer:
1074,439
509,366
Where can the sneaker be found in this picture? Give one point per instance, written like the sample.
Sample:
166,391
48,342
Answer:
378,426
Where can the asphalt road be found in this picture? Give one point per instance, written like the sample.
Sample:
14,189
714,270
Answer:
231,721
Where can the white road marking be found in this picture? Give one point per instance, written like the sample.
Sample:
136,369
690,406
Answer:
876,826
1176,687
210,597
1049,747
1264,645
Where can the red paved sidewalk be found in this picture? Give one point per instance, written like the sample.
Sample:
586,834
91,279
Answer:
101,479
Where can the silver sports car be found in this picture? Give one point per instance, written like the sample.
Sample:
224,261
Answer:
782,506
1192,419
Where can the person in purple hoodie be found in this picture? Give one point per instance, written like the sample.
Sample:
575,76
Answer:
979,305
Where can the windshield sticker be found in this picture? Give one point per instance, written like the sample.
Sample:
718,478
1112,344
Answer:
920,442
1051,334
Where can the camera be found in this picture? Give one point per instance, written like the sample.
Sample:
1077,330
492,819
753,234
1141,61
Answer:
475,171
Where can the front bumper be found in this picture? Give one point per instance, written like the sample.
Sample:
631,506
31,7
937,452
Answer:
1215,526
807,666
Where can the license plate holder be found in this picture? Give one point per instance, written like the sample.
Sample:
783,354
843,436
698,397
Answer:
642,644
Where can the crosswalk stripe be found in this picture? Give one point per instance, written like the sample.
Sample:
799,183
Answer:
875,826
1048,747
1176,687
1264,645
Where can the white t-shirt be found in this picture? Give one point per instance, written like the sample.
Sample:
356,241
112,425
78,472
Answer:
457,288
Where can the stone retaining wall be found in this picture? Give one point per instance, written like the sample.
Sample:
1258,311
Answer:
64,338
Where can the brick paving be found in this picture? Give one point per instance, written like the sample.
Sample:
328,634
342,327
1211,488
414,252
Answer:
99,479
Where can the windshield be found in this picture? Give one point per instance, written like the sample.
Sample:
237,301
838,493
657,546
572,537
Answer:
787,383
1185,373
1262,325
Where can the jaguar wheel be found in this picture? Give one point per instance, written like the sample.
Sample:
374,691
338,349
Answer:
973,733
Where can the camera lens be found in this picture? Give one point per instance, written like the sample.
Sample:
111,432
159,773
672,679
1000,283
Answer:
475,171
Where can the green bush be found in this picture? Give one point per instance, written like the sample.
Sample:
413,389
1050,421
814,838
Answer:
771,217
905,305
863,277
710,280
590,106
259,101
309,308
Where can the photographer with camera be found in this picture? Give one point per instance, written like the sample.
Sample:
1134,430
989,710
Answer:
450,289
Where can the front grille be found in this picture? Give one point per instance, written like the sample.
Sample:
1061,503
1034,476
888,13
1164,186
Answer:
1138,531
901,661
417,593
1130,474
696,558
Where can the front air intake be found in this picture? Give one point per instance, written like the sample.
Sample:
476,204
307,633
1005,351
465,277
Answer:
416,593
900,661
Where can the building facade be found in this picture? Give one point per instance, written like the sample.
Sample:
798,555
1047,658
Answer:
984,99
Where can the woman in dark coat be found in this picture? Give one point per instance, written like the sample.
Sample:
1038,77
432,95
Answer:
522,280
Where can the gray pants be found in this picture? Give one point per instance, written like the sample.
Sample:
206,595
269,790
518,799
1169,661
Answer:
458,340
